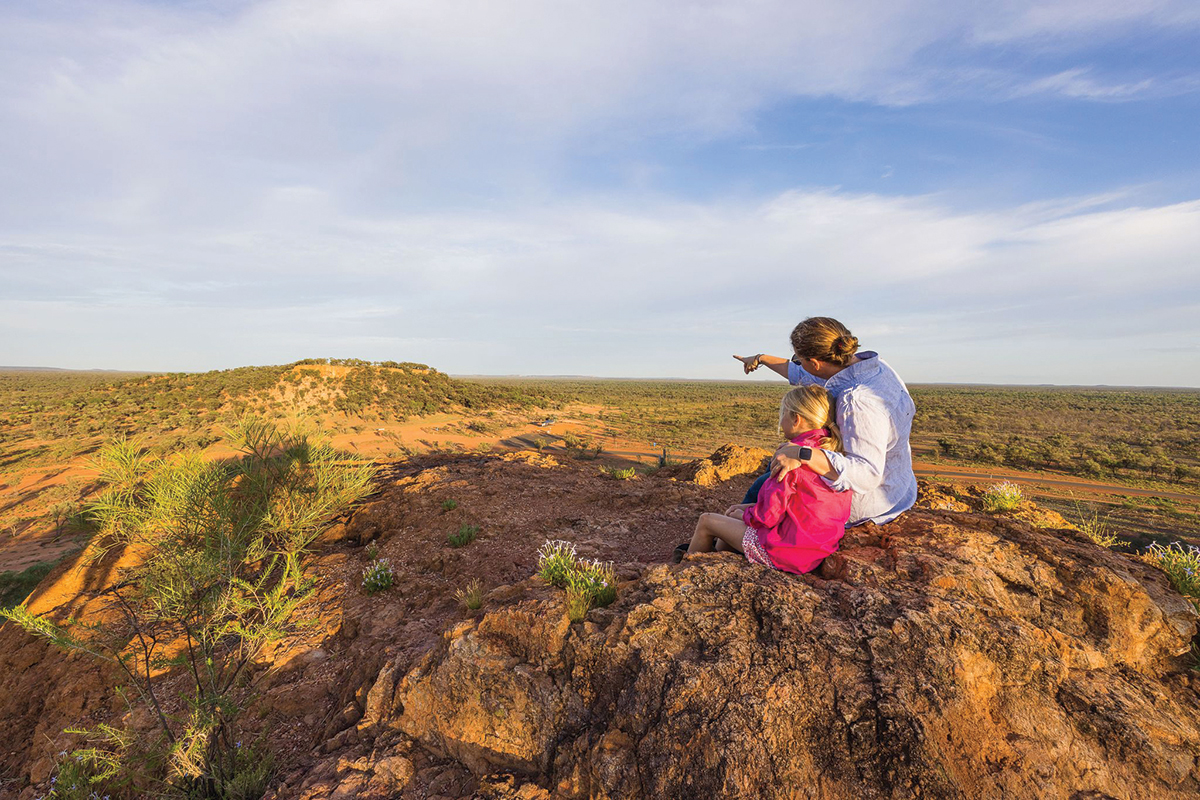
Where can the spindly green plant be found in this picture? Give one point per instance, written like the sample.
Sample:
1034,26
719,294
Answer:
595,580
463,536
1095,527
449,505
1002,497
220,579
578,604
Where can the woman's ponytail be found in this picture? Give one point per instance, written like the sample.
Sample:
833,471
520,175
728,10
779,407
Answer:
816,405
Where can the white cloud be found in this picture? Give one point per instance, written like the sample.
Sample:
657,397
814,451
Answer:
125,112
581,283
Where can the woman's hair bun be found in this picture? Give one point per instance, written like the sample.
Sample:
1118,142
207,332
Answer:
845,345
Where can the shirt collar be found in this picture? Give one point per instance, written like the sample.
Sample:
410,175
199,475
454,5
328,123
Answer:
866,367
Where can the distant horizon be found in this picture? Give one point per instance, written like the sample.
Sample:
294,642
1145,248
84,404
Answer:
649,379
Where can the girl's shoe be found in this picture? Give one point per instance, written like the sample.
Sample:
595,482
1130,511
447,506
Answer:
679,552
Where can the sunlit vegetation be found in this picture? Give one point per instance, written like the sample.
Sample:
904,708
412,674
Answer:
226,579
1144,437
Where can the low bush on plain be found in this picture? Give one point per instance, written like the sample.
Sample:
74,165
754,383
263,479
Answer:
1002,497
581,448
449,505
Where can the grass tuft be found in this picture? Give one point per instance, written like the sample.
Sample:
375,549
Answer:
471,596
620,474
578,605
449,505
1095,527
1002,497
596,579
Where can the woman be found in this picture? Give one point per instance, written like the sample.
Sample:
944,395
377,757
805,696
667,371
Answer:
874,412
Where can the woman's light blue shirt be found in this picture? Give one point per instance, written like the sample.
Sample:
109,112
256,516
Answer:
875,413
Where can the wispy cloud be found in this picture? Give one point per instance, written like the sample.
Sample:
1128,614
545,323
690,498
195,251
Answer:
1079,83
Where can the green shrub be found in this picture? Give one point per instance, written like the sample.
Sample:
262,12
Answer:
1181,565
1002,497
463,536
471,596
556,562
93,771
588,583
226,576
449,505
581,448
620,474
596,580
378,576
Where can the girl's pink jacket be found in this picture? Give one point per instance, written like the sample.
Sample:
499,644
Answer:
799,520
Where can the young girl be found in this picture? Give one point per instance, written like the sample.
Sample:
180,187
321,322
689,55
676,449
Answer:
798,519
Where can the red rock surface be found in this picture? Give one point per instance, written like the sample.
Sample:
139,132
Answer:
948,654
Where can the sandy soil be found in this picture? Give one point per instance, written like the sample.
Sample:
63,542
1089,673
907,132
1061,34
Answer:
28,537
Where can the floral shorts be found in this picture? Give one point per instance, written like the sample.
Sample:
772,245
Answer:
754,550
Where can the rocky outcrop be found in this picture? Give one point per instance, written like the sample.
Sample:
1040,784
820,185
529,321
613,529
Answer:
729,461
945,655
948,654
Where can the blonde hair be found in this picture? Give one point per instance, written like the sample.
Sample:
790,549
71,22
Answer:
816,405
825,339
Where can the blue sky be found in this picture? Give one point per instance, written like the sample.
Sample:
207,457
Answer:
1008,193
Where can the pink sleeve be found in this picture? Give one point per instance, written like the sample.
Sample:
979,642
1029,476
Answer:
771,506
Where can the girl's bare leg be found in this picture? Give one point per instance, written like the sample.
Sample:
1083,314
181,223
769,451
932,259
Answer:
713,528
736,513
